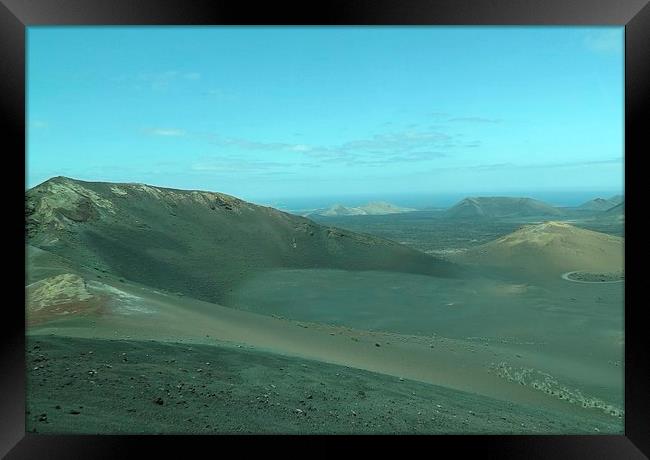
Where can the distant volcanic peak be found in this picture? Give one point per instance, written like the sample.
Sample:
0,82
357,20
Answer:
372,208
599,204
550,249
548,232
501,206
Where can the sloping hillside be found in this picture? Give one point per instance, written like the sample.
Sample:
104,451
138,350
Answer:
194,242
551,248
597,204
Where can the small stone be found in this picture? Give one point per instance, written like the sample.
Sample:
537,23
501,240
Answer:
42,418
377,345
159,401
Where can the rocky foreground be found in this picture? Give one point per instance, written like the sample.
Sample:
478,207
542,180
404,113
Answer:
122,386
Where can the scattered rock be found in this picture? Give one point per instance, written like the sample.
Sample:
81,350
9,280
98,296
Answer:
42,418
377,345
74,412
159,401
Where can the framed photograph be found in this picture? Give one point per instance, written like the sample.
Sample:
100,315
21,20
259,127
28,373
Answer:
363,218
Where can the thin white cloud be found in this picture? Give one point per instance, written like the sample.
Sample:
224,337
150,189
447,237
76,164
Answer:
161,81
234,164
605,41
475,120
170,132
377,150
549,165
39,124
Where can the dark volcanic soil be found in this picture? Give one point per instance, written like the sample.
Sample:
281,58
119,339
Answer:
117,386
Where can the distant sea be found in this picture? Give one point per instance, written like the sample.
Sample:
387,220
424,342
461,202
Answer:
433,200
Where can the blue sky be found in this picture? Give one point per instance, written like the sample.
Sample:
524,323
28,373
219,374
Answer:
272,112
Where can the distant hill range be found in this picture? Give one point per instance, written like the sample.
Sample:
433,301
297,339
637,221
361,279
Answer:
618,209
601,204
195,242
550,248
375,208
615,213
493,207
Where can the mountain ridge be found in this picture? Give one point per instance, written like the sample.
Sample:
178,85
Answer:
500,206
196,242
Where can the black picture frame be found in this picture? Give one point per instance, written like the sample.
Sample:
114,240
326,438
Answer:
16,15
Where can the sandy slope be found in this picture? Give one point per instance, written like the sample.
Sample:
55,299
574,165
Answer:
550,248
137,312
125,310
